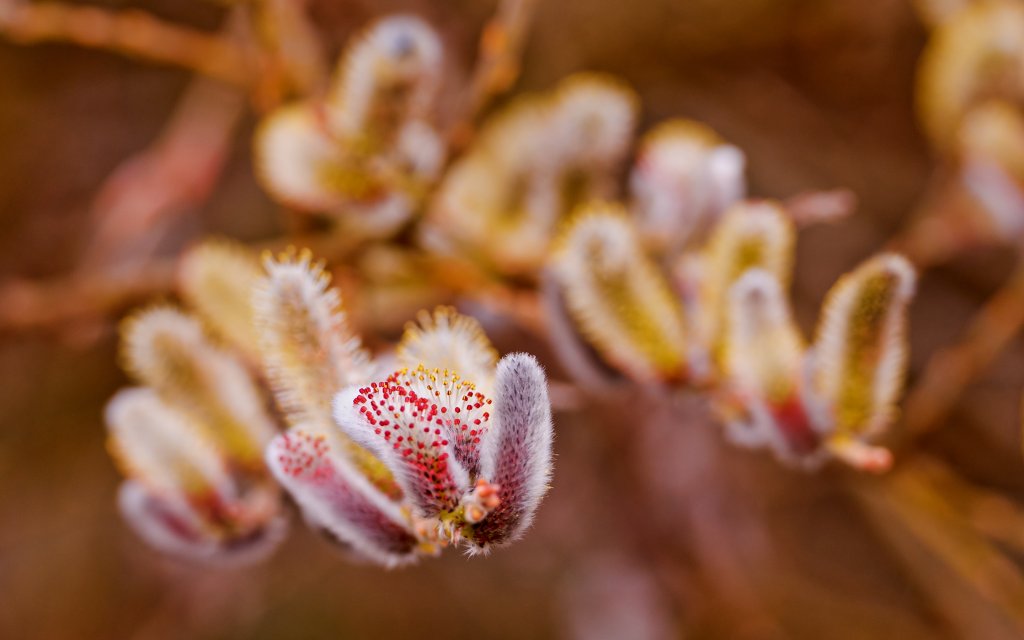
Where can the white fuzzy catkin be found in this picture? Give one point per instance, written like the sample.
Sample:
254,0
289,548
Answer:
337,497
763,349
425,425
169,524
592,121
516,452
216,278
169,351
389,75
752,234
684,179
161,448
860,350
446,339
307,347
619,299
293,157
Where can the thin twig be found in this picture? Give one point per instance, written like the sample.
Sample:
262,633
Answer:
52,304
132,33
497,65
297,60
174,174
994,515
88,296
951,370
944,224
973,586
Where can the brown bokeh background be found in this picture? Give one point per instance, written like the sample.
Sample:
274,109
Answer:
819,93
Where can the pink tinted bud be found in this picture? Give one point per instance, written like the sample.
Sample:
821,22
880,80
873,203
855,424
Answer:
516,454
333,495
426,425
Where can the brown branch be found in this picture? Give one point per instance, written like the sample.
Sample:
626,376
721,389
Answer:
994,515
88,296
971,584
946,223
950,371
464,278
173,175
292,36
132,33
497,66
51,304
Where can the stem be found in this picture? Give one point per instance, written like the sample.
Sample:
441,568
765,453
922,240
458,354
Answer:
171,176
88,296
55,303
951,370
131,33
286,31
976,588
497,66
994,515
943,225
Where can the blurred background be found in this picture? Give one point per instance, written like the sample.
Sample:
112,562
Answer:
818,93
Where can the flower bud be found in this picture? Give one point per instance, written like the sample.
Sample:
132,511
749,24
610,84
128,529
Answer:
991,144
181,495
216,278
684,178
301,165
976,55
763,348
860,353
169,351
761,398
449,340
751,235
367,153
516,451
309,351
499,204
389,76
592,121
426,426
339,499
532,164
618,297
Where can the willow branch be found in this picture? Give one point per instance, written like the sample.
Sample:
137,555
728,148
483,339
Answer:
971,583
296,60
172,175
51,304
950,371
994,515
944,224
131,33
86,296
497,65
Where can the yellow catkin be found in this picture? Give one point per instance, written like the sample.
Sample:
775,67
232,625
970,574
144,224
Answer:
618,297
217,279
751,235
860,348
169,351
974,56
